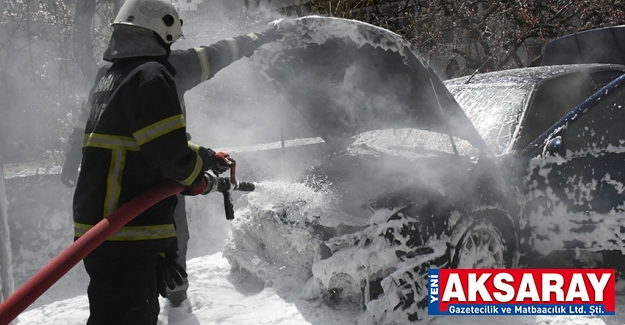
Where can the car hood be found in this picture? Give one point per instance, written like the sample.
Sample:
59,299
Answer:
346,77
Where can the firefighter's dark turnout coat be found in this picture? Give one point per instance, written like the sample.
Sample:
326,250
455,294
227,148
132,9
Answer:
135,137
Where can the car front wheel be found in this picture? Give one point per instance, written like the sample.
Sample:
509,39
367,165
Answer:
485,243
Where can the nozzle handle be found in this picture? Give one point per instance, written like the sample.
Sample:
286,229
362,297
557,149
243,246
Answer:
225,186
228,206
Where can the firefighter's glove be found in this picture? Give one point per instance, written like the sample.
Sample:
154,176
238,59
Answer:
222,163
69,174
256,40
218,162
269,35
204,184
170,273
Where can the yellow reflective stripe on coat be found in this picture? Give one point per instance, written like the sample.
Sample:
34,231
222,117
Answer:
204,65
130,233
104,141
196,171
114,181
159,128
194,146
183,107
234,49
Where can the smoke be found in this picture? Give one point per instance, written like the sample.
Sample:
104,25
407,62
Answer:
237,107
42,88
385,114
39,93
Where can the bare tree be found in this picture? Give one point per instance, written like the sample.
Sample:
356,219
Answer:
486,35
6,267
37,77
91,31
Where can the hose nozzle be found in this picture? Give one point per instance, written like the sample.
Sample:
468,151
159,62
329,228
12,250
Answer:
224,185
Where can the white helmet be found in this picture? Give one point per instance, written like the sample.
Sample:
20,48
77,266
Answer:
159,16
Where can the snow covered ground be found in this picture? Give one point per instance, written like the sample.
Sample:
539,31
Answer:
216,297
219,296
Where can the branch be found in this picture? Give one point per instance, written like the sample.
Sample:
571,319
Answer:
30,50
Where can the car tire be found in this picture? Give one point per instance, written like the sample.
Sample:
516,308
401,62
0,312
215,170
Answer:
486,240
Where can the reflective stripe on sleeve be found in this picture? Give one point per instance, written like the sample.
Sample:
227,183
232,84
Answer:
159,128
114,181
204,65
194,146
234,49
196,171
104,141
132,233
183,106
252,36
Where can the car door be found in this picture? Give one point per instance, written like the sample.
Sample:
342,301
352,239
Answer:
576,181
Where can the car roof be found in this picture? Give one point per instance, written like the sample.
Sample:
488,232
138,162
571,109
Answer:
541,113
531,75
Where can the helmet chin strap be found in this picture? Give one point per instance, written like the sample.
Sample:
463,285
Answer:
131,42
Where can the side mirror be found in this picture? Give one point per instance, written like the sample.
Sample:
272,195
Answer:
555,147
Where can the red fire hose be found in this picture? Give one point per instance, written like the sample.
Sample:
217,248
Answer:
73,254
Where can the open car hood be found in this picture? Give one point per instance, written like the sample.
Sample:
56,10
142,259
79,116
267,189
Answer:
346,77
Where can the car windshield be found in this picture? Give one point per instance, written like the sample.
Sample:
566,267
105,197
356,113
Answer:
494,109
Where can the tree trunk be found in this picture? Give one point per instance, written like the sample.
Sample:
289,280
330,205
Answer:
83,45
6,268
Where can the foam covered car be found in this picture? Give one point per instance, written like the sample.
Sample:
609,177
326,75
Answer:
557,134
407,181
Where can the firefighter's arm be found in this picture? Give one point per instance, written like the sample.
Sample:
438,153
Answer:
196,65
218,162
158,127
160,131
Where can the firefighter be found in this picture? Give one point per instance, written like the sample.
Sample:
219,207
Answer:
135,137
192,67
